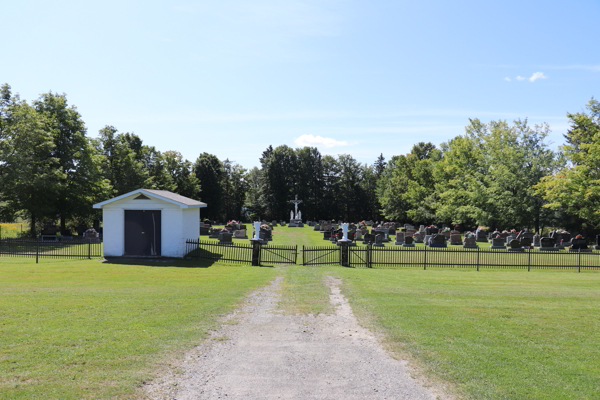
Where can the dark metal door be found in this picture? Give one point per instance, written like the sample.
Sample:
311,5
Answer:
142,232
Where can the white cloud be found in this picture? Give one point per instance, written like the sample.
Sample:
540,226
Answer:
520,78
536,76
507,79
316,141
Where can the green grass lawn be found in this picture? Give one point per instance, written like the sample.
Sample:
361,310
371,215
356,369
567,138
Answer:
89,329
494,334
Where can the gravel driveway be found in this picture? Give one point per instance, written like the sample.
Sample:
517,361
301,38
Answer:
261,353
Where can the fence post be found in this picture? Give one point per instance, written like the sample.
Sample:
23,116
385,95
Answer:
256,252
198,250
578,260
529,261
345,249
478,258
303,256
369,255
90,249
0,232
425,258
37,251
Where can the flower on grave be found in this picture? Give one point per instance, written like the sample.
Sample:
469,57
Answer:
579,236
446,229
224,230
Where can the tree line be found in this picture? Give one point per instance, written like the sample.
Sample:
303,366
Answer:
497,174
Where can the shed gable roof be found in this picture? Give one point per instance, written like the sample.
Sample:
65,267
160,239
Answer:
165,195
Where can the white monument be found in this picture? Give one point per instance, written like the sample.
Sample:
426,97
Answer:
295,217
256,231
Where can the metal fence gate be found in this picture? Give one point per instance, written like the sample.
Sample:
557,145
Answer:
321,255
278,254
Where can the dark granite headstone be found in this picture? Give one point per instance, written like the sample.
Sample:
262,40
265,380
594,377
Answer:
526,242
408,241
455,239
498,243
470,243
515,245
579,245
438,240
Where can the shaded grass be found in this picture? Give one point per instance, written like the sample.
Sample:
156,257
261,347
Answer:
88,329
495,335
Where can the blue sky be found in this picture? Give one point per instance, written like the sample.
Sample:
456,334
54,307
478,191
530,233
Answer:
350,77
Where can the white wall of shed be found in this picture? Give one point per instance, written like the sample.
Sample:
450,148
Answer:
172,225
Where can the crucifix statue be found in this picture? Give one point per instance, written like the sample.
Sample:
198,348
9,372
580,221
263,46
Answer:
295,203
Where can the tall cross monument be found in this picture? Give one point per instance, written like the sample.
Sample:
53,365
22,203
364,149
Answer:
295,202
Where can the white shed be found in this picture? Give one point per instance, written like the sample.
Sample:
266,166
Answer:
149,222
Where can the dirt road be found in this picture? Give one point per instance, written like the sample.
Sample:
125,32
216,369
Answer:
261,353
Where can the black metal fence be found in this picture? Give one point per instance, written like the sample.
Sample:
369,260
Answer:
321,255
51,249
423,257
215,251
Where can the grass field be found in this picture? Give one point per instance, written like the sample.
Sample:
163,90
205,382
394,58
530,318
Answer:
12,230
87,329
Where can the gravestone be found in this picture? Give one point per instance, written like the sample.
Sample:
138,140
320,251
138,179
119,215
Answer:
438,241
369,238
410,232
536,240
214,233
597,247
426,240
327,235
455,239
379,240
316,227
548,244
446,234
561,238
225,238
515,245
579,245
408,226
431,231
399,238
498,243
422,228
527,242
90,234
358,235
470,243
240,234
482,236
510,238
266,234
369,223
408,241
204,230
419,237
